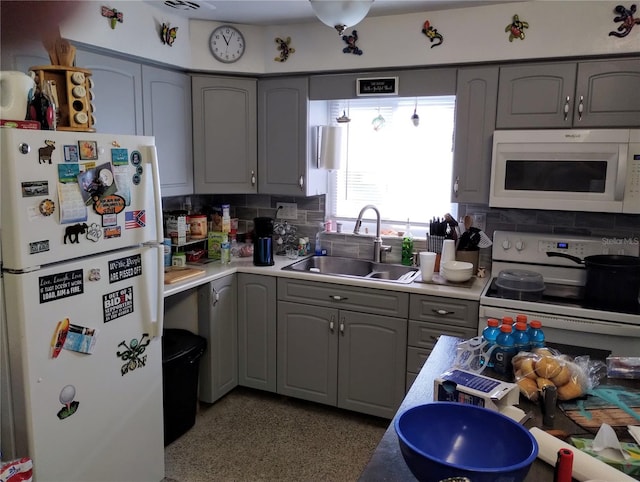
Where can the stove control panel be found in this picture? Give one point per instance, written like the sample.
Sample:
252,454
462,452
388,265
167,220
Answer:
534,247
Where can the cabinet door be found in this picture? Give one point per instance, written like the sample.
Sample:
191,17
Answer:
308,352
372,361
218,323
118,93
475,118
537,95
257,331
284,163
607,94
224,135
167,116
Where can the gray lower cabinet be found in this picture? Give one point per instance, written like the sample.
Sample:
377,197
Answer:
257,331
285,158
167,116
598,93
334,347
224,135
432,316
218,323
476,96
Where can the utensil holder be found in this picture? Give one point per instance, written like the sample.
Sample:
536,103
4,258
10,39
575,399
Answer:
470,257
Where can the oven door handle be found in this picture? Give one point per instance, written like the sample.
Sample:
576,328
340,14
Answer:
590,326
621,175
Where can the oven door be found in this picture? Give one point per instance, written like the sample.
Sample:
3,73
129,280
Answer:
542,172
618,338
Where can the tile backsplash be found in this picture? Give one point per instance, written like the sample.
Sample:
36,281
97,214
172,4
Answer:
311,213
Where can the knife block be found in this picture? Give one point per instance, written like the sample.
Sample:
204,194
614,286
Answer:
72,87
470,257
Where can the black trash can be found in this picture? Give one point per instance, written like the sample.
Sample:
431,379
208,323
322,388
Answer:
181,353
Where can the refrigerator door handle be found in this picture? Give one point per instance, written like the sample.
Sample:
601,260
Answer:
157,196
159,288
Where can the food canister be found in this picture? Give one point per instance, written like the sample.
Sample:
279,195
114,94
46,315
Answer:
179,259
198,226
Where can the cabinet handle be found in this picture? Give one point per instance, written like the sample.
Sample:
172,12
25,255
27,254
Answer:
253,178
442,312
301,182
581,107
215,296
566,108
456,186
342,326
331,323
338,298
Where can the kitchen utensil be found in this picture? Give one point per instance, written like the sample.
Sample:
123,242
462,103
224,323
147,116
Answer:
564,466
14,94
613,281
450,439
65,52
427,264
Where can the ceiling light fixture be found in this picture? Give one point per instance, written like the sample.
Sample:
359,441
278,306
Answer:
341,14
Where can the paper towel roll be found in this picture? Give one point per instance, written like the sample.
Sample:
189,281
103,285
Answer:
585,467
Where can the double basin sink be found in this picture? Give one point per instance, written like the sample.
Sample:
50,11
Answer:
355,268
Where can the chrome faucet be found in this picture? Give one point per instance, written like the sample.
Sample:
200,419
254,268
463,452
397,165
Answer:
378,248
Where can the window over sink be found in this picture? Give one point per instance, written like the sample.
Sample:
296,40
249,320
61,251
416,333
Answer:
402,168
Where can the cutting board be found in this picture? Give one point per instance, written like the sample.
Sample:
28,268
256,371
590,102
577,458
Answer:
175,275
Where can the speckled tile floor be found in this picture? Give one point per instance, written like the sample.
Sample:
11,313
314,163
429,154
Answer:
250,435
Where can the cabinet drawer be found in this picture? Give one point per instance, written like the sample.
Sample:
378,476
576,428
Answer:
416,358
447,311
425,335
363,300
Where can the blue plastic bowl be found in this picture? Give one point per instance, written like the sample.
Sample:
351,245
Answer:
449,439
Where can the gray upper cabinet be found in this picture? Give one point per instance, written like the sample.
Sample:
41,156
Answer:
167,116
257,331
285,160
118,93
568,94
224,135
476,96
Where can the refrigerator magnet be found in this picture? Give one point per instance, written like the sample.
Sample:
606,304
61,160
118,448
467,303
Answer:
136,179
45,153
94,232
109,220
133,354
112,232
88,150
136,158
35,188
120,157
67,394
72,233
70,153
59,337
47,207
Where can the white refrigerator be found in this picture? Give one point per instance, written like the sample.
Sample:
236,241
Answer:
82,263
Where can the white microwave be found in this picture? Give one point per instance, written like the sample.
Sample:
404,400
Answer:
567,170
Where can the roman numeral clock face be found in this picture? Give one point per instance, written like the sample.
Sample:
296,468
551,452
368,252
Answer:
227,44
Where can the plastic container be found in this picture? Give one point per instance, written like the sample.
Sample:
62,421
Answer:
520,284
407,246
181,353
536,335
505,351
225,252
521,337
490,335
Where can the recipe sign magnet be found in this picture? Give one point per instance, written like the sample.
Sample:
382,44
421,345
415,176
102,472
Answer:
377,86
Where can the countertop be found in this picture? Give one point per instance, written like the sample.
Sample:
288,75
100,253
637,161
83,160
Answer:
217,270
387,464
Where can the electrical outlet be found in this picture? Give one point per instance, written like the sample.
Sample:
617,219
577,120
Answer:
287,211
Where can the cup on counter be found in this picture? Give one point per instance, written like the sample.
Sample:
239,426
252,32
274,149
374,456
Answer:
448,252
427,264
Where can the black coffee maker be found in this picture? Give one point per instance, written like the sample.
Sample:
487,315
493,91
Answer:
263,241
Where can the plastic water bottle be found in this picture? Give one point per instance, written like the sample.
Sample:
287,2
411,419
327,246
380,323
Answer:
507,320
521,337
521,319
536,335
490,334
504,351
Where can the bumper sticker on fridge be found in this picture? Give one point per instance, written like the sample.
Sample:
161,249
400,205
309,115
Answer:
125,268
117,304
132,354
67,394
60,285
135,219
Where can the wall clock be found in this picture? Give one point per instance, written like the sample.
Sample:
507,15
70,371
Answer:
227,44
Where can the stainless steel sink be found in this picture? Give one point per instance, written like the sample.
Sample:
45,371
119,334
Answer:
355,268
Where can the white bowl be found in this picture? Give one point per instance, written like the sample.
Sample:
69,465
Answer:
456,277
454,266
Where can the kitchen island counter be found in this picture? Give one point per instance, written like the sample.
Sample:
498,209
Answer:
216,270
387,464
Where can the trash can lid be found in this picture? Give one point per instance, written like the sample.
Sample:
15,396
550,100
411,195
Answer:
177,343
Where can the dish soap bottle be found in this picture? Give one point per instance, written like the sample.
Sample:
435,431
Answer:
407,246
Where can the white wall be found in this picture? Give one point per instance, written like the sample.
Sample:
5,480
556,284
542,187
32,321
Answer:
556,29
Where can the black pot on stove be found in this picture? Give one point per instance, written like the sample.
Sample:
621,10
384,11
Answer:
613,281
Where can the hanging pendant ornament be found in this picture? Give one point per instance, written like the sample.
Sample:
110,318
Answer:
626,16
343,119
415,118
351,47
378,122
516,28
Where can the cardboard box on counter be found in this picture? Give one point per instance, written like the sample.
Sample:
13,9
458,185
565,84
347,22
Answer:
176,226
215,240
465,387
